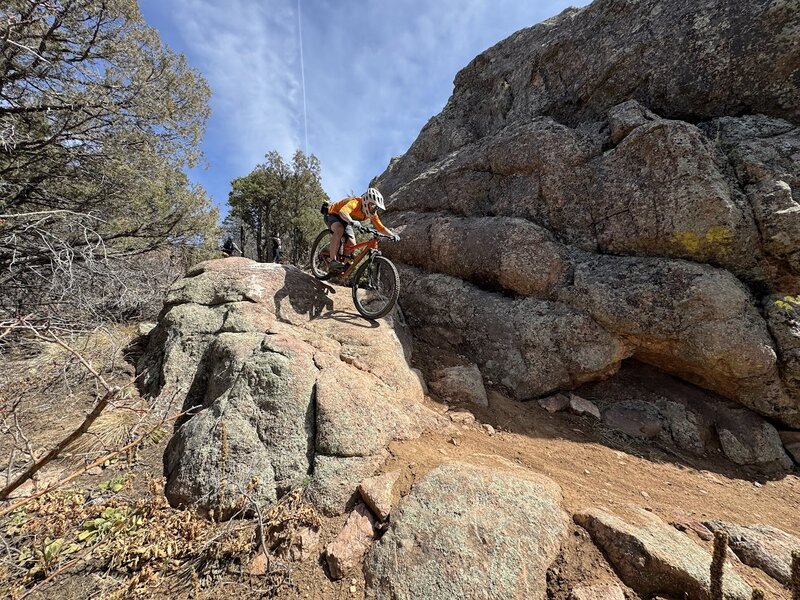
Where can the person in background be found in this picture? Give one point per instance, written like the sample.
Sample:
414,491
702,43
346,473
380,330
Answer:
277,249
228,247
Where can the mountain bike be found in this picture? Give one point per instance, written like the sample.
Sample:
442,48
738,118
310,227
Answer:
374,279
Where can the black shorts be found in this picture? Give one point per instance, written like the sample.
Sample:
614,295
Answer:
332,218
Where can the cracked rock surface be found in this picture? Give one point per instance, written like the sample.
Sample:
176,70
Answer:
470,531
286,386
622,180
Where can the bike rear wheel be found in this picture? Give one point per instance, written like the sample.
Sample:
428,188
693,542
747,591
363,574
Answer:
376,287
320,255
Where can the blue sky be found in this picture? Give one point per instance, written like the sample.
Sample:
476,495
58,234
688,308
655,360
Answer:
375,72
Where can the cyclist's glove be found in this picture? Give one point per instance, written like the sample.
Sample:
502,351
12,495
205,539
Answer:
395,238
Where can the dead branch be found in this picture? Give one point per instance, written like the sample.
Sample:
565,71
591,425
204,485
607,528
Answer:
110,456
90,418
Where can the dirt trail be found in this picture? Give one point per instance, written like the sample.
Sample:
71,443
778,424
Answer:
594,468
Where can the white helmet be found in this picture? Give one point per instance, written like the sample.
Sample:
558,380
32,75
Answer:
372,199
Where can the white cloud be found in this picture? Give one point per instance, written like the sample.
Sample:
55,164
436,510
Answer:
248,52
376,71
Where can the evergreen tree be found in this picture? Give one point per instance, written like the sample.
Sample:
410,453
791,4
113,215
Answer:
98,121
277,199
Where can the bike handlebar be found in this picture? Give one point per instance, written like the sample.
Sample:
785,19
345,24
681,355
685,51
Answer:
375,233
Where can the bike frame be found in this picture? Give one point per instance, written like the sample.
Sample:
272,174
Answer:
364,250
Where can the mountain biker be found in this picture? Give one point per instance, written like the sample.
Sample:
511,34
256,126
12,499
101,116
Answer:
346,214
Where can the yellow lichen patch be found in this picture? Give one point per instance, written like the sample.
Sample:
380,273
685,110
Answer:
688,239
714,237
788,302
719,235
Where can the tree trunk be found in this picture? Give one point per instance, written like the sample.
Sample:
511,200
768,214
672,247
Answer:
259,236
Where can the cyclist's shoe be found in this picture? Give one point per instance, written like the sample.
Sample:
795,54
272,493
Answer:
337,267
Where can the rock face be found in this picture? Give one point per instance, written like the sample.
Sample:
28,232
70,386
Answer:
468,532
791,442
761,546
654,558
645,403
279,389
621,180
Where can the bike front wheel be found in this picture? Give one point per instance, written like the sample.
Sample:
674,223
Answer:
376,288
321,255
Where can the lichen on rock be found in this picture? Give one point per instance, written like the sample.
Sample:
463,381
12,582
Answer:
279,393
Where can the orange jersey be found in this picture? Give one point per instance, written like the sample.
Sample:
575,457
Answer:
353,208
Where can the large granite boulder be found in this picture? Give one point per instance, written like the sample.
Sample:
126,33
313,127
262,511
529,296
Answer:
279,387
761,546
626,177
469,531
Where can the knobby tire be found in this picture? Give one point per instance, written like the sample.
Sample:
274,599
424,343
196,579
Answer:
379,262
315,249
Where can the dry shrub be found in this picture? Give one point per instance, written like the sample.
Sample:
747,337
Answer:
146,547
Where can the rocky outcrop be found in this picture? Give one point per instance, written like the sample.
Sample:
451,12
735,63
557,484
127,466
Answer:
469,531
530,346
277,389
642,402
626,174
654,558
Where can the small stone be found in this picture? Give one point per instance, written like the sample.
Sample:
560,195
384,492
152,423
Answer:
353,589
587,471
580,406
757,484
555,403
378,493
489,429
461,416
258,566
455,441
460,384
304,543
144,329
645,494
347,551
